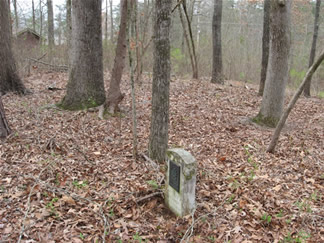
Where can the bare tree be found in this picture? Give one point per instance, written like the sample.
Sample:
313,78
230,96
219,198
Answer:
217,72
265,44
50,25
293,101
111,21
313,49
85,87
33,13
16,15
115,96
9,79
278,68
158,141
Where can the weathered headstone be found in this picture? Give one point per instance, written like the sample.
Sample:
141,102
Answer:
181,181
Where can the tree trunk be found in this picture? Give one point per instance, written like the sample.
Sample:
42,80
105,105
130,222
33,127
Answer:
106,22
50,23
16,15
85,88
9,79
68,23
10,21
278,68
33,10
217,72
40,20
158,141
313,49
265,45
111,22
293,101
4,127
114,94
195,70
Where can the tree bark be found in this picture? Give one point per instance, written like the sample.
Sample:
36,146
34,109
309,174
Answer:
278,66
195,70
85,88
106,22
33,10
115,96
50,19
217,72
111,22
158,141
265,45
9,79
16,15
313,49
293,101
68,23
40,20
4,127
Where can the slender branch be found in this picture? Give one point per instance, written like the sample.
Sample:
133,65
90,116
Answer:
292,102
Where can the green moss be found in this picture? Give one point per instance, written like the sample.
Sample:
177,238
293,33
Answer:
265,121
83,105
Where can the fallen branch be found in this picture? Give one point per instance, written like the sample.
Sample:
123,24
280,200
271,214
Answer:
62,67
149,196
293,101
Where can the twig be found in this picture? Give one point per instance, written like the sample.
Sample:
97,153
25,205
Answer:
149,196
189,231
63,67
178,4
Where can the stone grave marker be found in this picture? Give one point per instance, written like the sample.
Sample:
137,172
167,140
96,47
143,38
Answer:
181,181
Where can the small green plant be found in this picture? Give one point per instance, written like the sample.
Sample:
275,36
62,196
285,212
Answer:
304,206
111,213
51,207
79,184
301,237
266,218
212,238
81,236
321,94
280,214
137,237
153,184
230,199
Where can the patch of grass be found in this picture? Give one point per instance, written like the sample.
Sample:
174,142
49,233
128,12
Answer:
153,184
266,218
321,95
79,184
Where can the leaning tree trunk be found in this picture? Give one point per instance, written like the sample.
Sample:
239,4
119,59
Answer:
114,94
217,72
85,88
158,141
313,49
278,68
9,79
293,101
4,127
265,45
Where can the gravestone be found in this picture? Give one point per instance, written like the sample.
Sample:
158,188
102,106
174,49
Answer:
181,181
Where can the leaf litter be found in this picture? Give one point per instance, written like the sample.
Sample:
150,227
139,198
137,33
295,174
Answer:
70,177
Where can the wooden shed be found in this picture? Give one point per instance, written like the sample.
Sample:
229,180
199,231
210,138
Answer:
28,38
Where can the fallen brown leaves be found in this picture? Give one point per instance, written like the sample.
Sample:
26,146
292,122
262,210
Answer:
70,177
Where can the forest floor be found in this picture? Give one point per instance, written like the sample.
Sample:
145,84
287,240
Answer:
69,176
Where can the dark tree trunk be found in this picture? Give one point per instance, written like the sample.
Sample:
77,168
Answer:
50,23
313,49
16,15
85,87
265,45
217,72
111,22
68,26
278,68
4,127
158,141
33,10
114,94
9,79
40,19
106,22
10,21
